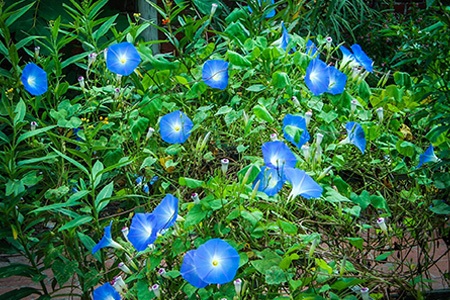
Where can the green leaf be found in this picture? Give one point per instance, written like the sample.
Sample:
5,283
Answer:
32,133
280,80
256,88
253,217
288,227
223,110
237,59
195,215
356,241
19,294
38,159
89,243
72,161
20,111
354,211
294,132
190,183
384,256
17,14
333,196
324,266
101,199
262,113
96,175
73,59
104,28
275,276
63,271
287,260
16,269
76,222
440,207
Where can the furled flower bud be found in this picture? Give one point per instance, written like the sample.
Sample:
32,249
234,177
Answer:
81,82
295,101
238,286
225,162
380,114
150,132
156,290
308,116
365,293
195,198
37,49
33,125
306,152
382,224
124,268
125,231
274,137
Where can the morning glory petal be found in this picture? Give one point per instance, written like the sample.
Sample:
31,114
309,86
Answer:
106,241
189,270
285,38
216,261
362,58
175,127
166,212
215,74
356,135
427,156
337,81
311,49
295,131
122,58
143,230
277,155
302,184
106,291
270,13
317,77
34,79
270,181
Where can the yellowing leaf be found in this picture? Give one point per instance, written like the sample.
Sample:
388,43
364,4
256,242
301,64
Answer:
406,132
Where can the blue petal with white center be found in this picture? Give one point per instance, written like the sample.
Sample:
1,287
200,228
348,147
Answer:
122,58
34,79
362,58
295,131
106,292
337,81
356,136
427,156
302,184
270,181
215,74
175,127
317,78
216,262
143,230
277,155
106,241
166,212
189,270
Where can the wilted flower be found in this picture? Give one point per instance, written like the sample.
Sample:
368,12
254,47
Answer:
319,139
162,272
106,291
295,101
215,74
116,93
125,232
106,241
353,105
122,58
214,262
427,156
224,165
175,127
302,184
295,131
91,58
37,49
213,9
34,79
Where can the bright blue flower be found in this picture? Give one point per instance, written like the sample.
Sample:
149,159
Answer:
143,230
356,136
175,127
34,79
216,262
295,131
166,212
106,241
311,48
302,184
269,14
427,156
139,180
189,270
153,180
317,78
270,181
122,58
215,74
285,39
277,155
106,292
362,58
337,81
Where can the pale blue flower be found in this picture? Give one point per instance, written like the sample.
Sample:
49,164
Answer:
277,155
356,136
302,184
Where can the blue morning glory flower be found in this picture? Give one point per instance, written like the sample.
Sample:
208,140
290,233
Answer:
215,74
106,291
270,181
316,77
34,79
216,262
302,184
295,131
311,48
427,156
166,212
106,241
356,136
189,270
122,58
175,127
362,58
285,38
143,230
277,155
337,81
270,14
